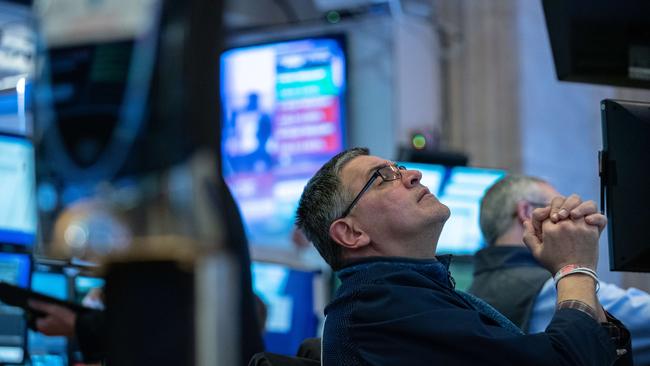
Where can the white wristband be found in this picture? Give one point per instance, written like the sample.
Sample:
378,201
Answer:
573,269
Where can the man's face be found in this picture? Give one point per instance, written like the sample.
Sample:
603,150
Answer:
397,215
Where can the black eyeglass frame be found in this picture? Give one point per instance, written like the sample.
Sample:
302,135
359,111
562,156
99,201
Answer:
394,168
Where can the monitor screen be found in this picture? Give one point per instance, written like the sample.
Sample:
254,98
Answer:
462,193
625,180
17,197
15,106
87,291
602,42
46,350
289,298
284,109
15,268
432,175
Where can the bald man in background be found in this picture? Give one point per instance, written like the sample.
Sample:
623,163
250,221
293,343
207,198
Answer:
508,277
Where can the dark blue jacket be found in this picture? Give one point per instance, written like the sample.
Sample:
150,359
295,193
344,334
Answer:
397,311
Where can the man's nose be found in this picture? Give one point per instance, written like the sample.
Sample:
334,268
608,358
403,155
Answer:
411,178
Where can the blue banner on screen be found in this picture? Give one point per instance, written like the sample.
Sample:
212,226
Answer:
283,107
461,189
17,197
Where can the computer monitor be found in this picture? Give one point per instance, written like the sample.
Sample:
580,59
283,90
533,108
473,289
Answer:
462,192
432,175
17,196
289,298
284,117
15,104
49,278
602,42
83,286
15,268
625,182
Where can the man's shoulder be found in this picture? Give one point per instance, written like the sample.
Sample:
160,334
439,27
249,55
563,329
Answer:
387,299
612,295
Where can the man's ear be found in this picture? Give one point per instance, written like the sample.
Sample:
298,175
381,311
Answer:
524,211
344,232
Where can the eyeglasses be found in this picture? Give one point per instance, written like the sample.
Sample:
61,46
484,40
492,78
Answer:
387,173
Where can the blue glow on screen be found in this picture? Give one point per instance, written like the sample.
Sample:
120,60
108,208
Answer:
49,360
51,284
45,350
432,175
462,193
461,189
15,268
284,108
289,298
86,283
17,196
15,108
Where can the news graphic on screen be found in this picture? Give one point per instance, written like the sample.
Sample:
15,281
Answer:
288,295
283,106
462,193
15,269
17,197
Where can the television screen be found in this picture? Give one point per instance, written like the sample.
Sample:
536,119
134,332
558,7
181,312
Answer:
289,298
17,197
15,268
283,106
462,193
624,182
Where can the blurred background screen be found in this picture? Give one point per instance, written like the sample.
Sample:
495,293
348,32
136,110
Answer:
284,116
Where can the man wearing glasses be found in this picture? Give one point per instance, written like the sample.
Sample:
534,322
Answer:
509,278
377,226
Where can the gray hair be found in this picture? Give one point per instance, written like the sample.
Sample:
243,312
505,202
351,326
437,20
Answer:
500,202
323,201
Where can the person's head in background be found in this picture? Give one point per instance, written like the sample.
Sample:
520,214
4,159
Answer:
510,202
359,206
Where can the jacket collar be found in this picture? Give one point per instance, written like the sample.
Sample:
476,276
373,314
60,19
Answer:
435,268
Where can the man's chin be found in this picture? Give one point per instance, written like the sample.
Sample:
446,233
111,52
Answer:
442,213
447,212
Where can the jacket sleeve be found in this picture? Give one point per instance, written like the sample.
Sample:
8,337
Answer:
91,330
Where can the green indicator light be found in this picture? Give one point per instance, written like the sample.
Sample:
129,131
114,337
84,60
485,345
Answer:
333,17
419,141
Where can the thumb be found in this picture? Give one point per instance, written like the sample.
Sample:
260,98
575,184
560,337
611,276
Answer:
530,237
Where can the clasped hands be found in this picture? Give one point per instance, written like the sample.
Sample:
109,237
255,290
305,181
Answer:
566,232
